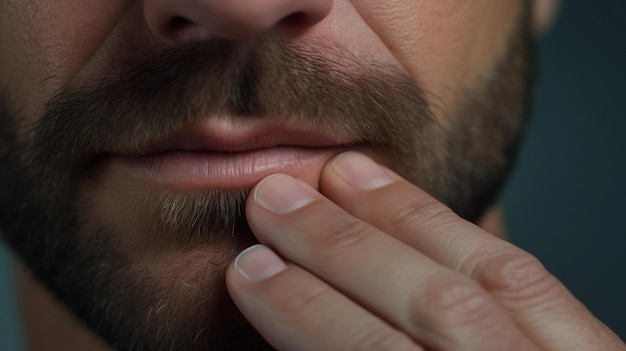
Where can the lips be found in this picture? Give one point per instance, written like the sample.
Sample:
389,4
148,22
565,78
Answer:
227,153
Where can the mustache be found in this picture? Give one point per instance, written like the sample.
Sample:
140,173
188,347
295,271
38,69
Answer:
156,92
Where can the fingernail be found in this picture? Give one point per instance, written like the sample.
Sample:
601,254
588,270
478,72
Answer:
360,171
281,194
258,262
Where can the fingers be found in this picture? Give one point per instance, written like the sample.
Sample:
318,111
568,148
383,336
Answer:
438,307
515,279
296,311
385,259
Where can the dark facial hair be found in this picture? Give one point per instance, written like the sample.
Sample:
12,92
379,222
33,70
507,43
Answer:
44,212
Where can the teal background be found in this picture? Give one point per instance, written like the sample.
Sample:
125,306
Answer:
10,329
566,201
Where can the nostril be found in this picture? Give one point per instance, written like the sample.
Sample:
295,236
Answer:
295,23
296,17
179,27
178,23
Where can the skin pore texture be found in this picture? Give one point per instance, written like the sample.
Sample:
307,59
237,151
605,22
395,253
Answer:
440,97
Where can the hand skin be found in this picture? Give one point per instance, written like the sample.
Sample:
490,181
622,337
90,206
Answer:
374,263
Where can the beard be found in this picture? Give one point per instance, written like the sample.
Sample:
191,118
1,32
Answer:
47,191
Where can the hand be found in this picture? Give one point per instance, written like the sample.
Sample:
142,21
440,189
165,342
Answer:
377,264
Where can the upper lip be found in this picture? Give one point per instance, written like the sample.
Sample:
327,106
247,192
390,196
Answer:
246,134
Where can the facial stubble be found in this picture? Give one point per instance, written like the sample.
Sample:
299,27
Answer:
45,210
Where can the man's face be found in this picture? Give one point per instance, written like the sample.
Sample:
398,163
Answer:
132,132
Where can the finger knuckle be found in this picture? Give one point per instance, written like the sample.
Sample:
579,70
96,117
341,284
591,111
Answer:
343,237
423,210
453,301
517,275
300,304
382,339
418,208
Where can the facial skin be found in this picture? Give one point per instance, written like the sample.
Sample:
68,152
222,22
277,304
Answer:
137,244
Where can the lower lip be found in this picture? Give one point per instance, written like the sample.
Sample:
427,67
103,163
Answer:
205,170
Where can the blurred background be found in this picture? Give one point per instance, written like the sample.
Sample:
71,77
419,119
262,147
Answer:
566,202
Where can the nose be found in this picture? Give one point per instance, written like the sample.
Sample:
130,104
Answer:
181,20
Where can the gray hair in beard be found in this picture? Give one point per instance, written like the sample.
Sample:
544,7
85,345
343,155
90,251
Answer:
42,211
150,96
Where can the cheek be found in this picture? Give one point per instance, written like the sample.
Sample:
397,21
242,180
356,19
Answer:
445,45
346,28
475,34
45,43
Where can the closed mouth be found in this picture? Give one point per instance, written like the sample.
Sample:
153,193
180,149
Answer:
225,153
